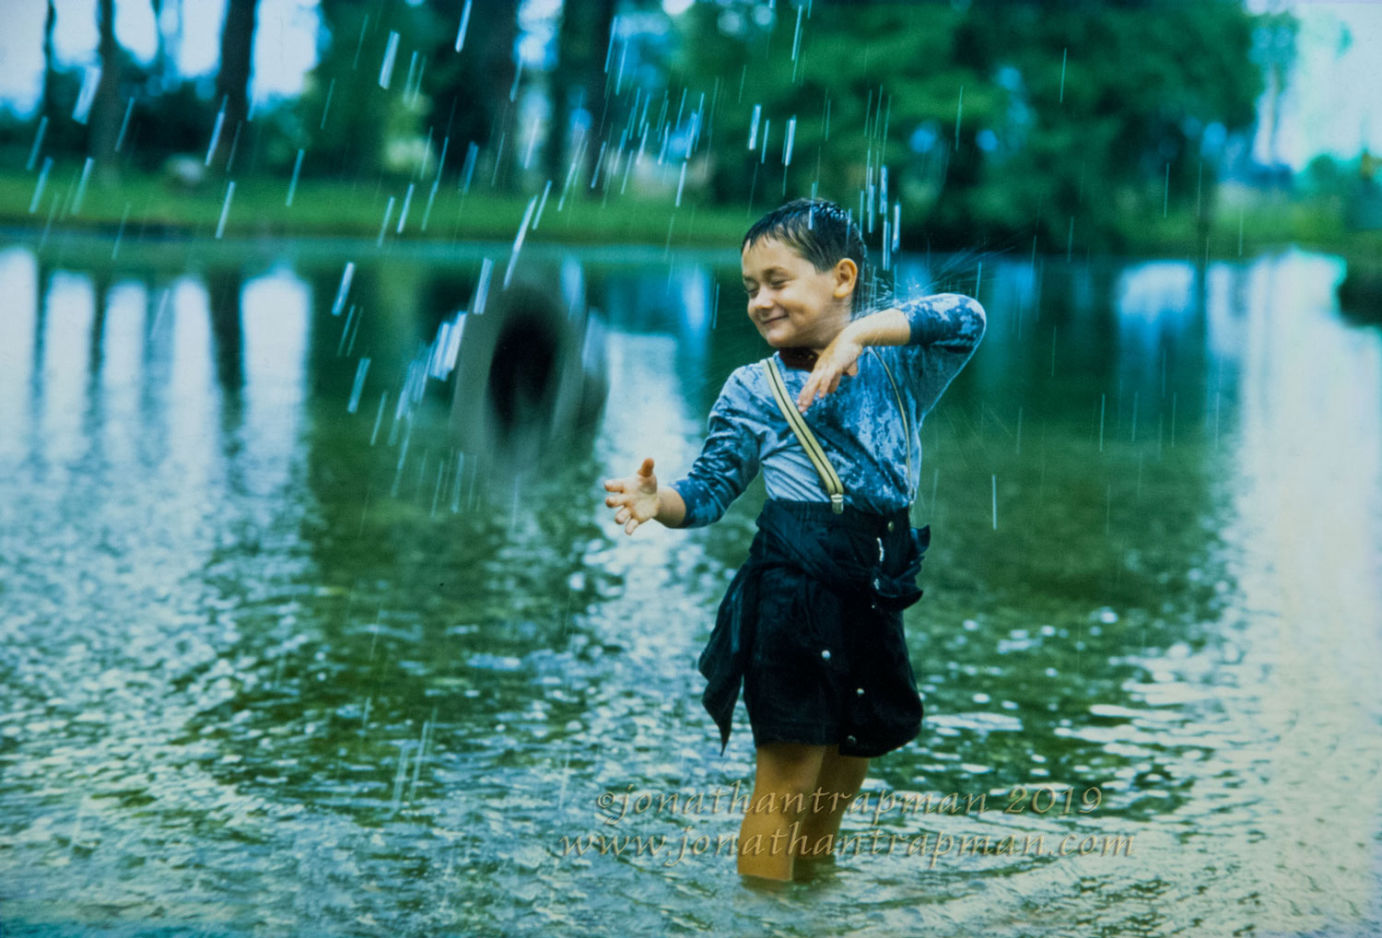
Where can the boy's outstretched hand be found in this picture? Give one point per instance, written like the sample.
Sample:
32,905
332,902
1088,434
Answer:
635,498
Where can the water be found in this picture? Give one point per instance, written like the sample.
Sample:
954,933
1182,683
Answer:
244,690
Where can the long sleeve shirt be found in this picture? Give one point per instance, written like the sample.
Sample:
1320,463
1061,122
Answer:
858,425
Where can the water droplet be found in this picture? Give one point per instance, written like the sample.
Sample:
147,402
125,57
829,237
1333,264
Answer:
225,209
344,289
390,53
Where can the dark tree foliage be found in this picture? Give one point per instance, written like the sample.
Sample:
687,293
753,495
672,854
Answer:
577,81
352,120
233,77
993,118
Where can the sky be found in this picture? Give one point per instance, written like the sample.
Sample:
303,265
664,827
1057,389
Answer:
1333,104
285,41
1334,101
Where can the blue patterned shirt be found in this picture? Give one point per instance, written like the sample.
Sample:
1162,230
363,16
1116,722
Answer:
858,425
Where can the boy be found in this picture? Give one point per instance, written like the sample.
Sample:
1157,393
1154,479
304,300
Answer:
812,622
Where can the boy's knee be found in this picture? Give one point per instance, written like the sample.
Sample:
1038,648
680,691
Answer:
790,766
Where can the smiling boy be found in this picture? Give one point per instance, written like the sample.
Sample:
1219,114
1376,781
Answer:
812,623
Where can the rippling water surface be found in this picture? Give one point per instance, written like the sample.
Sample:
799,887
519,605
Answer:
271,663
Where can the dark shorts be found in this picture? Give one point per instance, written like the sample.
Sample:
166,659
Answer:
828,668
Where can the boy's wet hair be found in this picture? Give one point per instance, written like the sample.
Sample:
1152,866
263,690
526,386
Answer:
820,231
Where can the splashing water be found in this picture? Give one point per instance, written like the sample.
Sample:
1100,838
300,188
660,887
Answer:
38,144
293,185
225,209
326,108
403,215
472,153
216,131
482,286
518,240
42,182
124,125
91,78
390,53
360,371
465,22
542,203
384,225
344,289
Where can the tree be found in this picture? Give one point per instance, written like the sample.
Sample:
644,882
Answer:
50,63
992,118
359,127
1107,113
106,110
233,77
578,79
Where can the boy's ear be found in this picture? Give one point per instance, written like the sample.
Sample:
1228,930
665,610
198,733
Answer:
846,274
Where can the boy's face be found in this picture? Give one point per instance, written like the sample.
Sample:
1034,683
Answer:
793,304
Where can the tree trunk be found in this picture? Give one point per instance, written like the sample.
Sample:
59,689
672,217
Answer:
578,81
160,65
50,63
106,108
233,78
496,57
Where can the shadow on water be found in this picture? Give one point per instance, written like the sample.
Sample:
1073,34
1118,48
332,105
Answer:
315,614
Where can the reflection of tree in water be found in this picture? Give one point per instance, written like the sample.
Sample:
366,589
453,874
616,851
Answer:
427,605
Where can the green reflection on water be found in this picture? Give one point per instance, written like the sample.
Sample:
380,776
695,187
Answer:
258,674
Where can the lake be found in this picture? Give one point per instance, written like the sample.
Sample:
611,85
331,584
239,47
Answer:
315,621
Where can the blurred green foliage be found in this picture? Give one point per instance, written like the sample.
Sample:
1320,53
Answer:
1031,124
993,118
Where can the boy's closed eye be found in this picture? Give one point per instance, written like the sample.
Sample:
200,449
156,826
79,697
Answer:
751,289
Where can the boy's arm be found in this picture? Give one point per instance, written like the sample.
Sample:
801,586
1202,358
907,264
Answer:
940,333
727,464
671,509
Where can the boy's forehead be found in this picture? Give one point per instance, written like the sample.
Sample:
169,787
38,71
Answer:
768,251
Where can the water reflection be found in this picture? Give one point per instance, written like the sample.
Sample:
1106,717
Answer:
270,661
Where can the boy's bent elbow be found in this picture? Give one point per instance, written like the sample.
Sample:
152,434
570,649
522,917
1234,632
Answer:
977,318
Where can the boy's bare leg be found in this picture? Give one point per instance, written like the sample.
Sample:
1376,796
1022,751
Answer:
839,776
784,778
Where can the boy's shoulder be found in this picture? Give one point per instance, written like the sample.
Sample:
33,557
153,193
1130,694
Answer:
748,376
745,388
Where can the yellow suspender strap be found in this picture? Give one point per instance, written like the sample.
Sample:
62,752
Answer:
808,441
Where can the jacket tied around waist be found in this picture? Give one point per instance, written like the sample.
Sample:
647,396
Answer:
869,562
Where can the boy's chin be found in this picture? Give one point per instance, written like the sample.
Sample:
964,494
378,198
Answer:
779,339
